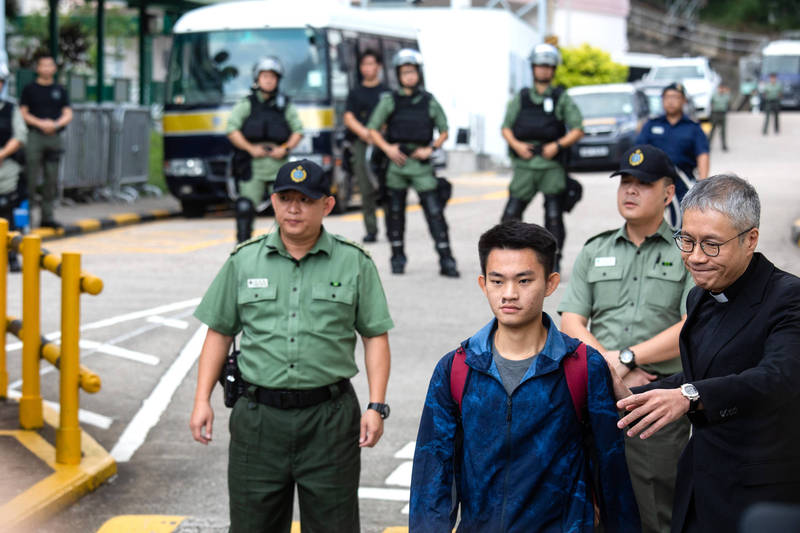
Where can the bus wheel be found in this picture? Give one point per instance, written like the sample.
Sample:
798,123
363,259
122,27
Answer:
192,209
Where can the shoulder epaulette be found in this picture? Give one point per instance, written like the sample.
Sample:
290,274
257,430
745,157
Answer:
352,243
248,242
601,234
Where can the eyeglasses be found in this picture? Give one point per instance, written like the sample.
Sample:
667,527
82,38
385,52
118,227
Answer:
711,249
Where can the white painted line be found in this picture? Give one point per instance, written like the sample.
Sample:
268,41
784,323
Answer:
401,476
155,405
84,416
169,322
160,310
116,351
404,510
373,493
406,452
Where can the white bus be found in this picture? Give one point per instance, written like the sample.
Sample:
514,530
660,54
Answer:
783,58
210,69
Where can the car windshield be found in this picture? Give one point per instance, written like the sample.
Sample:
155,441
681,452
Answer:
595,105
217,67
677,73
781,65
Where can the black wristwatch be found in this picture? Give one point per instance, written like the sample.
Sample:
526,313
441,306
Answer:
627,358
382,408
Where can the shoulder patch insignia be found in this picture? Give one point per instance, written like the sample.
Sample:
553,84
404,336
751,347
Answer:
345,240
248,242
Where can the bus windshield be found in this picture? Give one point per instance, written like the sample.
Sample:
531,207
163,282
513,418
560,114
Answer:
594,105
677,73
781,65
211,68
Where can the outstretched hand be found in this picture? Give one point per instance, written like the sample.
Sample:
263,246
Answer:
653,410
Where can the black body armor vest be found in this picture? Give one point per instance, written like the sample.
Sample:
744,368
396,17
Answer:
267,121
6,123
410,122
534,124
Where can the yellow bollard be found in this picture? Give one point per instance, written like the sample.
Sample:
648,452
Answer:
3,306
30,404
68,436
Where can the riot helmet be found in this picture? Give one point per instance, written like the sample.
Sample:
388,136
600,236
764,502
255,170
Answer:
4,73
545,54
407,56
268,63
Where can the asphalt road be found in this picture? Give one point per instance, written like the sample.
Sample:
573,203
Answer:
140,337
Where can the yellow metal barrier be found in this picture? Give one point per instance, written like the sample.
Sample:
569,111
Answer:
35,347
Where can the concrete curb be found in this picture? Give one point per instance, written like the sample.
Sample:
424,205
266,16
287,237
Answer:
90,225
796,232
65,485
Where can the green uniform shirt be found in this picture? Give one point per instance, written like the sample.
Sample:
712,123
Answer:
264,168
298,319
629,294
720,101
10,169
565,110
385,108
772,91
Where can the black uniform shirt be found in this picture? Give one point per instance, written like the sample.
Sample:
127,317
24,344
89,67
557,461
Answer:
44,101
361,101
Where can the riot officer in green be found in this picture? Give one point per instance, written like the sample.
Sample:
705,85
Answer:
540,125
298,296
410,116
263,128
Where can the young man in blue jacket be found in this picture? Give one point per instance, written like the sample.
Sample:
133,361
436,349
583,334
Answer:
512,456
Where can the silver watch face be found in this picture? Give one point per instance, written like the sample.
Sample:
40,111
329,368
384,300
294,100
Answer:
690,391
626,357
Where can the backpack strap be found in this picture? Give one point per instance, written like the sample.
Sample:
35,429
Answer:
576,370
458,376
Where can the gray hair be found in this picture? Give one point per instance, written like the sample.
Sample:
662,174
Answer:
728,194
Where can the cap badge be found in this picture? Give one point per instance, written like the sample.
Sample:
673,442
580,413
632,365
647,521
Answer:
636,158
298,174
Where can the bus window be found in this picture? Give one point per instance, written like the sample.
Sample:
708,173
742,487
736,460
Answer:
339,74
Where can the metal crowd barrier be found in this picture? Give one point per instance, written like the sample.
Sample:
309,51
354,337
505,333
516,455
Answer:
106,146
35,347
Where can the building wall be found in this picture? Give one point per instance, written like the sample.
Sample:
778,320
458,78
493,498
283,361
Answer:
599,23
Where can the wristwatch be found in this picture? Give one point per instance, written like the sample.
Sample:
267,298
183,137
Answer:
382,408
627,358
691,393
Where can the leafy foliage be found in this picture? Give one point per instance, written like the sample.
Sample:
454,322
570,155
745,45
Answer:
587,65
749,15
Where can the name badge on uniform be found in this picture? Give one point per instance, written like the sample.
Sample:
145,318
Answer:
605,261
548,105
257,283
657,130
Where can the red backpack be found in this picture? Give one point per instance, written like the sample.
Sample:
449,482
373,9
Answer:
576,370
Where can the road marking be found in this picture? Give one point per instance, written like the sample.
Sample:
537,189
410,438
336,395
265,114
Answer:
160,310
116,351
401,476
169,322
155,405
375,493
84,416
406,452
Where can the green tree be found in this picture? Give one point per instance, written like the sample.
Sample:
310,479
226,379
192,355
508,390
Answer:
587,65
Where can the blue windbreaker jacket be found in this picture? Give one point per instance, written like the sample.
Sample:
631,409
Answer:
522,466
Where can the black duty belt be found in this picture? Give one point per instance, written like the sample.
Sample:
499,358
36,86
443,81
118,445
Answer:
298,398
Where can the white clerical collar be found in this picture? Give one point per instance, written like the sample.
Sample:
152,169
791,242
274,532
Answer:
720,298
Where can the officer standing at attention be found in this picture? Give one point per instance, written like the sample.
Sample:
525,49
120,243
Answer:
541,123
263,128
297,295
45,108
410,115
682,139
360,103
12,137
720,102
771,98
627,298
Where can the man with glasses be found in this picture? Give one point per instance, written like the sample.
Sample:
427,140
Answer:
740,349
631,285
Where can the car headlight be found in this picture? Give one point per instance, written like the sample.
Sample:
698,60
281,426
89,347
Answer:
187,168
626,127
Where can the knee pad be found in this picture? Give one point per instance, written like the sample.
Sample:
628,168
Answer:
244,207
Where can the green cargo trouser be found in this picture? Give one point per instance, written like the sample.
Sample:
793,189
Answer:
265,169
358,161
653,466
315,448
414,174
526,182
42,154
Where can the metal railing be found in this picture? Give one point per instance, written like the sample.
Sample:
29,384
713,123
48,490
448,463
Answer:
35,347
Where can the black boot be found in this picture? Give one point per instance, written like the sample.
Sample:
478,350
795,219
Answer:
437,225
514,209
245,213
13,262
396,227
554,222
